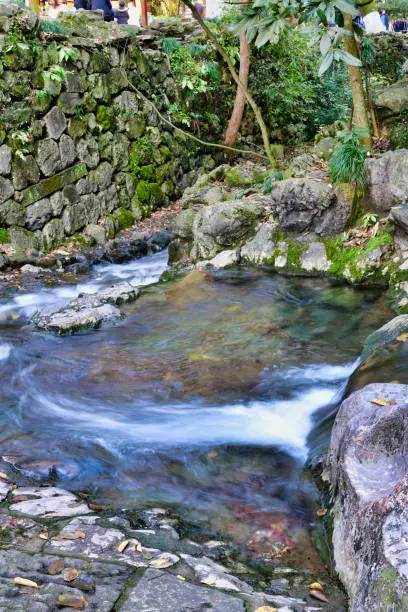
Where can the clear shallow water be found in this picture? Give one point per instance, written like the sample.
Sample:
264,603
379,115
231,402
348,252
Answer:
202,398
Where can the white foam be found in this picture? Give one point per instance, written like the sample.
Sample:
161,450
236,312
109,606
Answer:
5,351
139,272
285,423
322,372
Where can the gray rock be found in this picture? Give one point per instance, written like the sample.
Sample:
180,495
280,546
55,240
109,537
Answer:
53,233
104,582
102,176
97,232
223,224
67,151
315,258
307,204
69,102
261,248
225,259
385,335
4,490
399,214
34,270
6,189
25,172
57,203
88,152
49,500
12,213
73,82
161,591
69,321
38,214
220,577
366,467
325,147
301,166
87,311
183,224
48,157
5,160
386,178
101,543
55,122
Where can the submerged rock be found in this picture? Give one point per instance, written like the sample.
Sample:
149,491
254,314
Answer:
366,468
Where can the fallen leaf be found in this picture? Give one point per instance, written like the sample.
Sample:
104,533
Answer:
180,577
147,555
316,586
266,609
139,547
122,546
160,562
50,515
72,601
70,574
402,337
19,498
96,507
74,535
3,475
319,595
44,536
56,567
25,582
209,580
321,511
379,401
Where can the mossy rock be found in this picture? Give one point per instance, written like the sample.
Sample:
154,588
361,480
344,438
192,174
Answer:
124,217
234,178
105,117
147,173
141,152
143,192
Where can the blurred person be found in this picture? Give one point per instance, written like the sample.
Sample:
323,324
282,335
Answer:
121,13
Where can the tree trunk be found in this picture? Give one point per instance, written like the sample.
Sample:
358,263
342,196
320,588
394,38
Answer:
360,114
231,134
257,111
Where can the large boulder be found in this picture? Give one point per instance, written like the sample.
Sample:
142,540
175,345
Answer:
391,100
224,225
309,205
387,181
367,470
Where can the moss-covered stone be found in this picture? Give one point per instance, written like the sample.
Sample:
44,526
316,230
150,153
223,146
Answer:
124,217
141,152
52,184
147,173
105,117
143,192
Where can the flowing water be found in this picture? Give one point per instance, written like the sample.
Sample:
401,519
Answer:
201,399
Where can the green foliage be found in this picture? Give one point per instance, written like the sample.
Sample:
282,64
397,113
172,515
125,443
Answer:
170,44
270,179
347,164
47,25
4,236
369,219
294,100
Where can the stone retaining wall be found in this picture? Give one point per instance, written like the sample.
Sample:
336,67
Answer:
78,146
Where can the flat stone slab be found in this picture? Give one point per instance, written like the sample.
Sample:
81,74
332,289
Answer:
158,591
210,572
99,584
101,543
49,500
87,311
4,490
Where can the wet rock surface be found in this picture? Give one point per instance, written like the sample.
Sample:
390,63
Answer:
366,468
86,311
53,558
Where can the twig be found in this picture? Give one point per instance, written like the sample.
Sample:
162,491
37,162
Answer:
201,142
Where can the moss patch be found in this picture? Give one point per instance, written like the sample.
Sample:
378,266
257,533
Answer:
4,236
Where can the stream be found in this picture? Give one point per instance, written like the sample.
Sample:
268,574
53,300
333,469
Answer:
201,399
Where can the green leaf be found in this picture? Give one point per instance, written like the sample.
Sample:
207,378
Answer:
326,63
351,60
325,43
347,7
331,14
